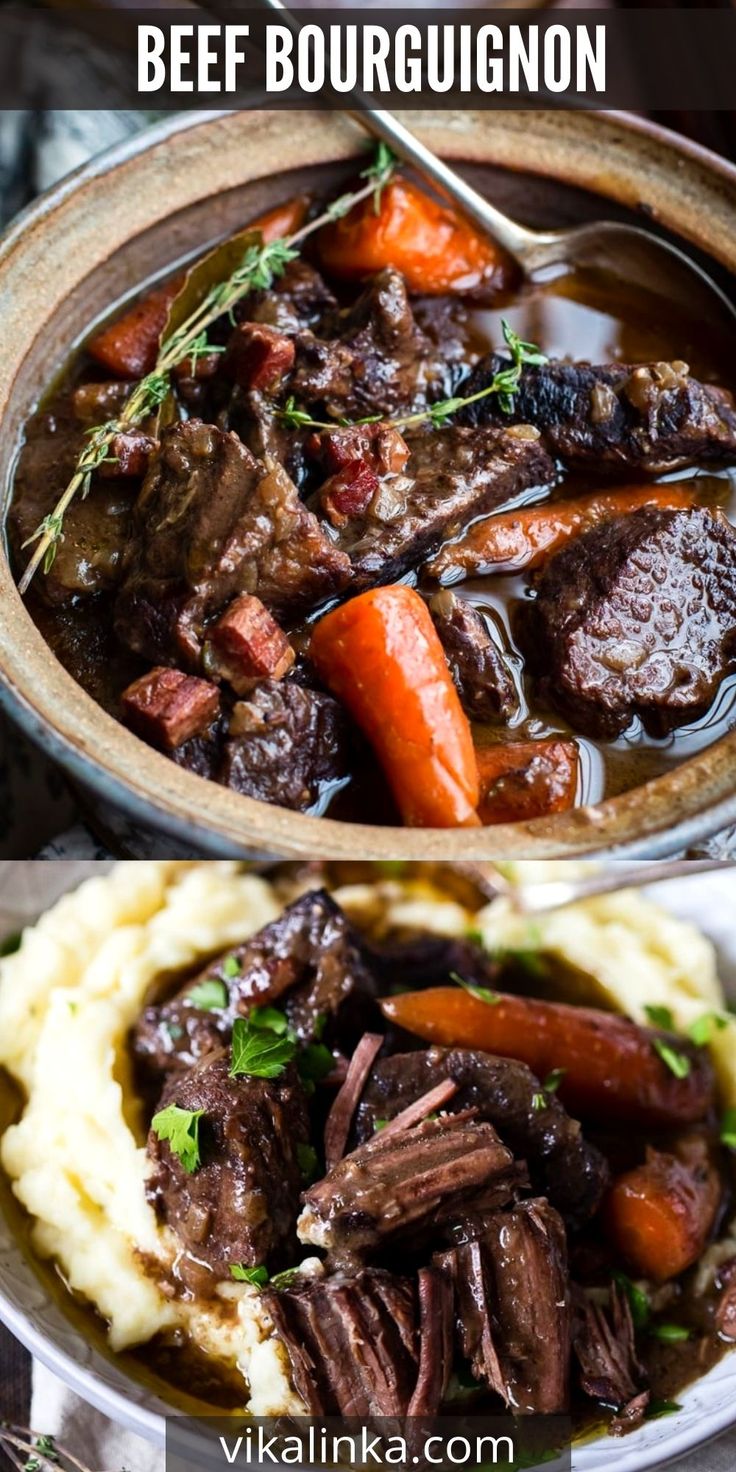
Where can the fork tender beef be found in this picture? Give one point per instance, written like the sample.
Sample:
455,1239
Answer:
373,359
480,673
512,1307
212,522
241,1204
452,475
534,1125
649,417
351,1342
605,1351
636,617
284,743
412,1185
308,960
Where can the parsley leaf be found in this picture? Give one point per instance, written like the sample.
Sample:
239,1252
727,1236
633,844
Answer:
553,1080
728,1129
701,1030
670,1333
11,943
638,1301
259,1053
481,993
539,1101
657,1408
660,1017
257,1276
391,868
307,1160
269,1018
285,1279
678,1063
181,1128
208,996
315,1062
231,967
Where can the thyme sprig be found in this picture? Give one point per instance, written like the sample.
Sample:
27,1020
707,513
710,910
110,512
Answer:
504,383
30,1451
260,266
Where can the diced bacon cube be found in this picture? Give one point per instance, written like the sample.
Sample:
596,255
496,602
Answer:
130,451
349,492
382,446
258,356
167,707
246,645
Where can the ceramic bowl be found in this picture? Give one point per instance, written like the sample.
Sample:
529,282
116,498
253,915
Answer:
134,211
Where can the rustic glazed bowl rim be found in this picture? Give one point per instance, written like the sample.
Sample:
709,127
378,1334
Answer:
674,811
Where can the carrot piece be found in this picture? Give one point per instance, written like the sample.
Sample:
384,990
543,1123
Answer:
283,219
381,656
516,540
660,1215
612,1069
129,345
521,780
433,247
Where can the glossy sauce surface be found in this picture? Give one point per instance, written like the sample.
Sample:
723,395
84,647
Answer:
582,317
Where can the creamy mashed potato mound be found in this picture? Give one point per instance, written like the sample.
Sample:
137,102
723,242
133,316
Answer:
68,997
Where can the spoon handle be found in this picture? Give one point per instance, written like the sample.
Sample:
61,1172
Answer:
519,242
535,899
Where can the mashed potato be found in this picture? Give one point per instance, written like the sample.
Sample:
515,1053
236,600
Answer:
68,997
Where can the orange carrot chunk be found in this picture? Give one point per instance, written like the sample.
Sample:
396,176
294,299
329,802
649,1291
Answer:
612,1069
521,780
129,346
659,1216
433,247
381,656
516,540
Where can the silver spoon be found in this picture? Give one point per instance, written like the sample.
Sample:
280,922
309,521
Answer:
635,255
539,898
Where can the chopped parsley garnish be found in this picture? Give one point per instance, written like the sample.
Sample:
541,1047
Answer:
315,1062
174,1031
270,1019
209,996
702,1029
180,1127
660,1017
638,1301
728,1129
231,967
670,1333
539,1101
378,1125
553,1080
257,1276
657,1408
285,1279
481,993
307,1160
391,868
678,1063
11,943
475,936
259,1053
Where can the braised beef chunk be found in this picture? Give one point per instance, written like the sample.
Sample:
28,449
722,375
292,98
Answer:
480,673
241,1203
649,417
533,1124
212,522
512,1307
605,1350
351,1342
285,743
430,960
636,617
298,299
435,1341
309,957
373,359
413,1184
452,475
